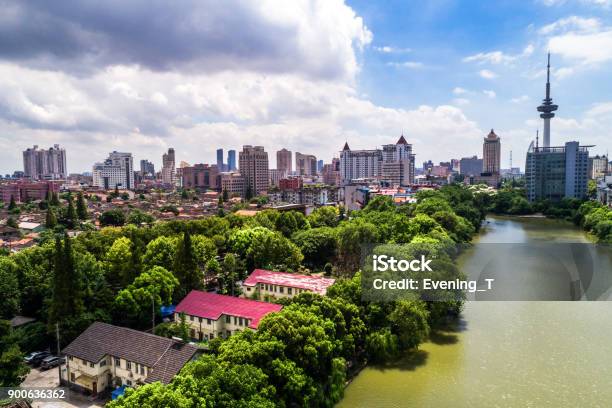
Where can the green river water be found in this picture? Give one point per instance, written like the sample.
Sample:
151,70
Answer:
504,354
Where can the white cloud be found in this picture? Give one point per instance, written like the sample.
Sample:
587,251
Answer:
387,49
583,48
528,50
459,91
520,99
575,23
493,57
486,74
407,64
489,93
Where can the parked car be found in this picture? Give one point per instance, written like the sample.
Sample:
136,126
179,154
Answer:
52,361
36,357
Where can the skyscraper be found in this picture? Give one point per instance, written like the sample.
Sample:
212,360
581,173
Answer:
41,164
357,164
491,154
253,163
147,169
231,160
283,161
547,107
169,167
305,164
117,171
220,163
398,163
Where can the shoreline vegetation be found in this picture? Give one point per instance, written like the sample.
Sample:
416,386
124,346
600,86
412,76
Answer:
304,355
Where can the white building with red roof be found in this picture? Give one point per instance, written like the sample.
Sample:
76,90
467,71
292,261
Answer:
269,284
211,315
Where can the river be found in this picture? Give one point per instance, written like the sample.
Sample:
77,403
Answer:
504,354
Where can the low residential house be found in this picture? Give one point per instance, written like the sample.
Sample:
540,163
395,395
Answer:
106,356
211,315
263,284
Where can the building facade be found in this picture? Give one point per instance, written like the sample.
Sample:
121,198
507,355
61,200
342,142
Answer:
398,163
491,154
231,160
598,166
233,183
211,315
45,164
359,164
305,164
470,166
265,285
147,169
200,176
106,356
117,171
283,161
169,167
253,163
554,173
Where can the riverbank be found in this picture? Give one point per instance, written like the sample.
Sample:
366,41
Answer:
506,354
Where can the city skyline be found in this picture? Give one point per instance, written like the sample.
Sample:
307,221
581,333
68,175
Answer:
306,84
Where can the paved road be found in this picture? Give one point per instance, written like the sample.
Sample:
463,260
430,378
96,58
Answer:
49,378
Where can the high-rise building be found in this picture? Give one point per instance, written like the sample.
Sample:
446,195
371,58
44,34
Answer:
275,177
233,183
331,173
598,166
547,107
231,160
305,164
115,172
220,163
491,154
253,163
169,167
41,164
147,169
398,163
319,166
470,166
359,164
554,173
283,161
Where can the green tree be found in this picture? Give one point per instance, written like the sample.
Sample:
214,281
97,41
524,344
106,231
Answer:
9,288
138,217
114,217
67,296
71,214
318,245
161,252
81,206
13,370
326,216
12,204
51,219
54,201
186,268
12,222
382,346
409,321
225,196
118,263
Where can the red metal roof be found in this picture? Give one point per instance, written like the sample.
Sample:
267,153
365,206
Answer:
315,284
212,306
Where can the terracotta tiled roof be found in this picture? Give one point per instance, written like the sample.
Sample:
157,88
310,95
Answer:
211,306
315,284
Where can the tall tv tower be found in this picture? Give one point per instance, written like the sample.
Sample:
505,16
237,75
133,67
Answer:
547,108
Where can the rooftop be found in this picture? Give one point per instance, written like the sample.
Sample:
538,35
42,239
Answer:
315,284
165,356
211,306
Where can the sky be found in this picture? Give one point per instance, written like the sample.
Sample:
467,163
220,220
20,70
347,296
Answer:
196,75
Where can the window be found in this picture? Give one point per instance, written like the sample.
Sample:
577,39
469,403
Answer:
84,362
191,318
102,362
129,365
70,358
200,319
208,321
91,365
281,289
72,378
289,290
228,319
129,382
235,320
118,362
212,336
142,370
